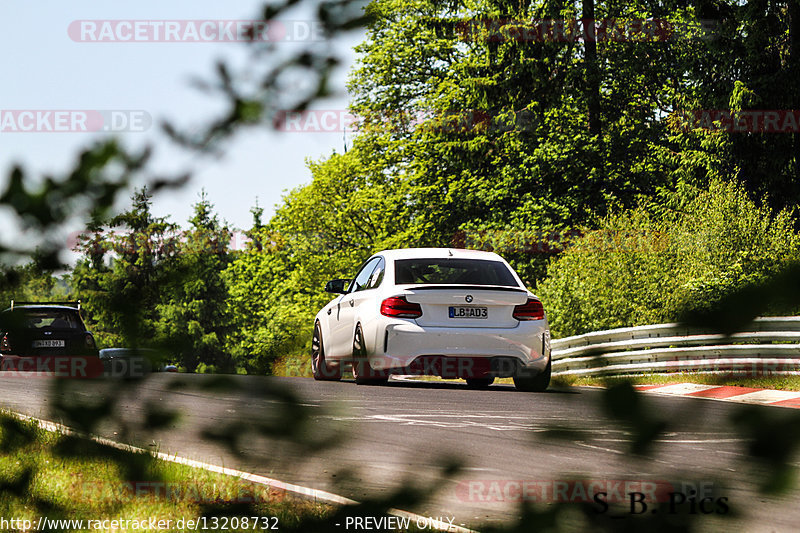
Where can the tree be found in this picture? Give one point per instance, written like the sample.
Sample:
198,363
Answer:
125,264
193,320
32,281
494,131
322,231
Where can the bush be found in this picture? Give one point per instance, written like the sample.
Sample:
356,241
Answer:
639,268
203,368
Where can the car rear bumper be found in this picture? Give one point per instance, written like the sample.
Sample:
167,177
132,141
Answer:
54,352
409,348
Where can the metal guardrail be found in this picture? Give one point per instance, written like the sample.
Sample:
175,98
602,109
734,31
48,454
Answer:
770,346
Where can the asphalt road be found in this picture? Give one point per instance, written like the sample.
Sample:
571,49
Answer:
403,433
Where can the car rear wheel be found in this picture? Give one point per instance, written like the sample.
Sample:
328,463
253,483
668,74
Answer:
537,383
479,383
362,371
320,368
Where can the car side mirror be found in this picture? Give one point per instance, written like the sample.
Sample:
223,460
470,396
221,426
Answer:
337,286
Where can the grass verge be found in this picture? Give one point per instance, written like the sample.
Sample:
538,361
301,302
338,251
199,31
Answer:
63,477
293,365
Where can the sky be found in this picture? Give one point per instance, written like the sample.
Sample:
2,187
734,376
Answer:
49,65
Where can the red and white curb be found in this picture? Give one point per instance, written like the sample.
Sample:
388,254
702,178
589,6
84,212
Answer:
777,398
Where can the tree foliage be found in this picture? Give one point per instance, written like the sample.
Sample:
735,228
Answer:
469,130
460,134
193,318
146,283
124,260
638,268
322,231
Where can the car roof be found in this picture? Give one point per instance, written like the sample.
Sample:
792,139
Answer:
43,306
438,253
137,350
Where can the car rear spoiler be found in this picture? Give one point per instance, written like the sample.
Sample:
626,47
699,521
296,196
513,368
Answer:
432,286
76,304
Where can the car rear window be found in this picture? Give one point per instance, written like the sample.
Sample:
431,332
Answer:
453,272
51,319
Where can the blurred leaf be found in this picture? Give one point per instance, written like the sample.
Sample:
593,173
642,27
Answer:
157,417
774,440
15,434
622,402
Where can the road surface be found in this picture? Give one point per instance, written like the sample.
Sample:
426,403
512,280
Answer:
402,433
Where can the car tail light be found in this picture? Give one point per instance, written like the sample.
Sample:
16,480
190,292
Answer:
399,307
530,310
5,346
90,341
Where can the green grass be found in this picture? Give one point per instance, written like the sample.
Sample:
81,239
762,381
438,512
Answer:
791,383
293,365
44,473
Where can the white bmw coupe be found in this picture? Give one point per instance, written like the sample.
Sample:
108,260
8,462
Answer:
433,311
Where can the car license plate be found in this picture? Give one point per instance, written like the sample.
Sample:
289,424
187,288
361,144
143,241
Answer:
48,343
469,312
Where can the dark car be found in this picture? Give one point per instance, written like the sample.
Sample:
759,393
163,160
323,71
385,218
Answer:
45,329
134,362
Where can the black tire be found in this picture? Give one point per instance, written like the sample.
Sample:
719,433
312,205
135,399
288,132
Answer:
537,383
362,371
320,368
479,383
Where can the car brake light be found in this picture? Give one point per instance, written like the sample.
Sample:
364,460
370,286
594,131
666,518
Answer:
530,310
399,307
90,341
5,346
